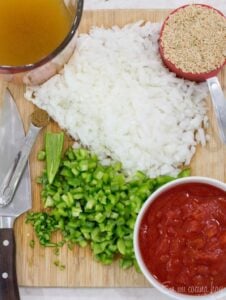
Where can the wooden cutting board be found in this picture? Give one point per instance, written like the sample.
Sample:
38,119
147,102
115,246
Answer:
35,267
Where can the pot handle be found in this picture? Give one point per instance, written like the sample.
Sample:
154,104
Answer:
8,279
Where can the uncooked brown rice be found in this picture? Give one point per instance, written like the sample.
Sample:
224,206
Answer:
194,39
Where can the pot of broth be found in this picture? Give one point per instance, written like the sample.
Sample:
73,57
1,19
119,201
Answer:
37,38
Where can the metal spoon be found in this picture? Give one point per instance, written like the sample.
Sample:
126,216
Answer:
39,119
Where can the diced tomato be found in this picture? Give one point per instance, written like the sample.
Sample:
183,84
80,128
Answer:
203,270
185,246
197,243
223,238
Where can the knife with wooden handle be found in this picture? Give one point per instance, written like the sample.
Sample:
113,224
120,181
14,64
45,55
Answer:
12,137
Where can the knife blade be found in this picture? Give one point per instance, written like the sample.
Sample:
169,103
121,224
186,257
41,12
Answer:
11,138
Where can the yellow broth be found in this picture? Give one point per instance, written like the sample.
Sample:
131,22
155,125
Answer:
31,29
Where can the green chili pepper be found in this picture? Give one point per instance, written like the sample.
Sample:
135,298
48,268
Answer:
54,146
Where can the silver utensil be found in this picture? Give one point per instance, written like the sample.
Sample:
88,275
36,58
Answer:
9,185
11,139
219,104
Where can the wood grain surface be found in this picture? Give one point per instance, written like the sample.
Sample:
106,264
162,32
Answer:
35,267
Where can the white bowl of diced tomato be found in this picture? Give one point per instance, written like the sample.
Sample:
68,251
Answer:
180,238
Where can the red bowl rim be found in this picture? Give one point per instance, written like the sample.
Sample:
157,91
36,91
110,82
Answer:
198,77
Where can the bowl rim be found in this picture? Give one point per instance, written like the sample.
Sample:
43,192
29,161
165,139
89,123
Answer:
7,69
159,286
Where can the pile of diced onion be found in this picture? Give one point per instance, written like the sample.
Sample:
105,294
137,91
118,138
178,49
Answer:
116,97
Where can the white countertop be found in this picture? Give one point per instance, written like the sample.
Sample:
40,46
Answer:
104,4
110,293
